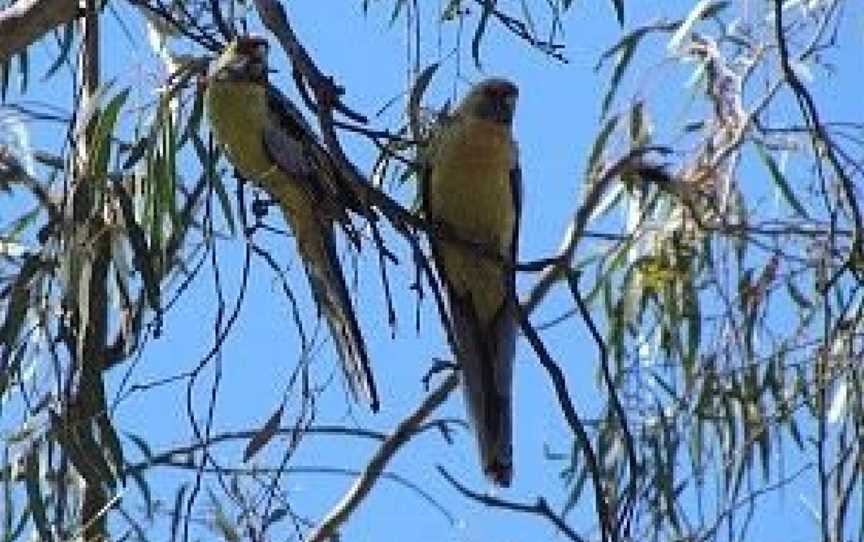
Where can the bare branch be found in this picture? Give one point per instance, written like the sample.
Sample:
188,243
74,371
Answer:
26,21
540,508
404,431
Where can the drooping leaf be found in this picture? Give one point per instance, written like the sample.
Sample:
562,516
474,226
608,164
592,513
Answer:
264,435
103,135
4,78
90,110
796,295
624,56
177,515
781,183
415,99
488,9
221,522
142,445
194,120
397,9
141,482
35,500
276,516
208,161
169,176
23,70
141,255
599,146
619,11
16,312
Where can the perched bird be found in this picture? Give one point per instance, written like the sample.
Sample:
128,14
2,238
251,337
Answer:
266,138
472,189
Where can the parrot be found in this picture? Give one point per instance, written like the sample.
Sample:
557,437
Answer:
269,142
472,188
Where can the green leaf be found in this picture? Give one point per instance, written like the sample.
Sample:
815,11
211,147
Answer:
624,56
693,315
451,11
764,441
179,499
415,99
221,522
169,177
599,146
397,9
14,533
139,149
142,445
263,436
104,133
24,69
4,78
619,11
32,482
276,516
780,180
144,488
16,312
529,20
714,9
21,224
141,254
91,110
155,211
639,128
209,163
488,9
796,295
194,121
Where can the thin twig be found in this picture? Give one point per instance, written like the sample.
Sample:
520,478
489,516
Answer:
375,467
573,281
540,508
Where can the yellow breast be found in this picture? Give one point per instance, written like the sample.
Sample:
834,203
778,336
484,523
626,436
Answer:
237,113
470,191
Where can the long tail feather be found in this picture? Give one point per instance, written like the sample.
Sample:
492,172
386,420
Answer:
486,355
318,251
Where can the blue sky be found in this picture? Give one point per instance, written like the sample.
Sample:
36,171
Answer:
557,118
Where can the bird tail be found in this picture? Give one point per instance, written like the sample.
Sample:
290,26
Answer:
486,355
317,247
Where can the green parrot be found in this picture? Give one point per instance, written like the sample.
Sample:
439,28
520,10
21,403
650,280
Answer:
472,186
267,139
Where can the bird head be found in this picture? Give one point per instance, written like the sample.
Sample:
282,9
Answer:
493,99
242,60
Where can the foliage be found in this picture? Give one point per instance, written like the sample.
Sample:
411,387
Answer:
716,257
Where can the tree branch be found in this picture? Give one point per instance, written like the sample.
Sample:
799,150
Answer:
404,431
540,508
26,21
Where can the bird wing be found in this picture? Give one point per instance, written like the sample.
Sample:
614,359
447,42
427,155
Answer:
311,200
290,132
